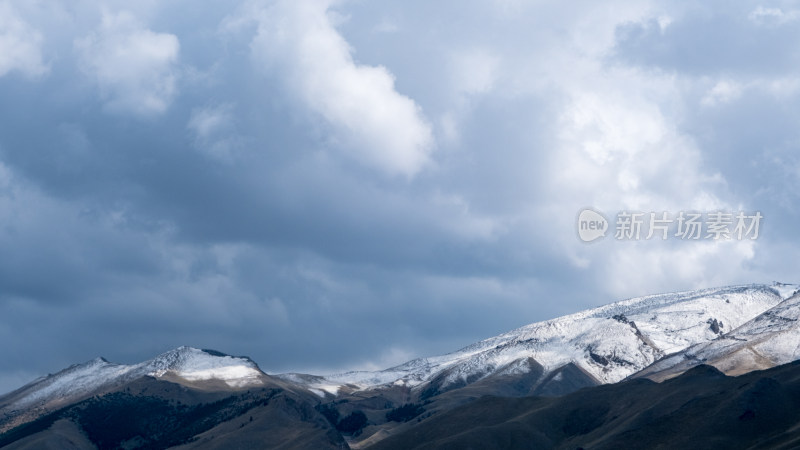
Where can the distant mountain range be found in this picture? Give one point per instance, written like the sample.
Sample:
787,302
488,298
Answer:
191,398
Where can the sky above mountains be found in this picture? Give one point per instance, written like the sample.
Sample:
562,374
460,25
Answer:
331,185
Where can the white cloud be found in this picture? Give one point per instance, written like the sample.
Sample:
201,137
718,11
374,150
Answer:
372,121
664,22
687,266
772,16
472,73
723,92
781,88
619,146
214,132
621,150
133,66
206,122
386,26
448,125
463,221
20,44
475,71
728,91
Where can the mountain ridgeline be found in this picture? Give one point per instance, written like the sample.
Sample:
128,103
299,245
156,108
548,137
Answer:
715,363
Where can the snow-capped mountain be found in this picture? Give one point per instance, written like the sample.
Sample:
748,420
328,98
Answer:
770,339
737,329
608,343
184,365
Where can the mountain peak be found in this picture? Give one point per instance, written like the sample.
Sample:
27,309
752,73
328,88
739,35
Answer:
194,365
184,365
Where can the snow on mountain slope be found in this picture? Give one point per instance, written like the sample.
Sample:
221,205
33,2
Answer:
738,328
770,339
197,365
81,380
609,343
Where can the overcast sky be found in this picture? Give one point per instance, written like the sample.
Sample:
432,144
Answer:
329,185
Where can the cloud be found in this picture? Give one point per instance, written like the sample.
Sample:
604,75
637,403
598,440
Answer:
291,202
619,144
20,44
372,122
386,26
214,131
772,16
206,122
668,269
710,42
475,71
723,92
618,151
134,67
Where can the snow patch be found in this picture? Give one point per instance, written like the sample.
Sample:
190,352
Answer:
785,290
193,364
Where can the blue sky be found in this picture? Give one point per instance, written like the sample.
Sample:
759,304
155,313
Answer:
329,185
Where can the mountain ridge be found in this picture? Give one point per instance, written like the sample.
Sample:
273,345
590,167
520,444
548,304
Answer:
610,342
78,381
736,329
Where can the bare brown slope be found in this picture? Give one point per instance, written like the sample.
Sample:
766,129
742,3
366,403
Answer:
702,408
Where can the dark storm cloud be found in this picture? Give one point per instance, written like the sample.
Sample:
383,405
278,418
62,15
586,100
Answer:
197,193
143,240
